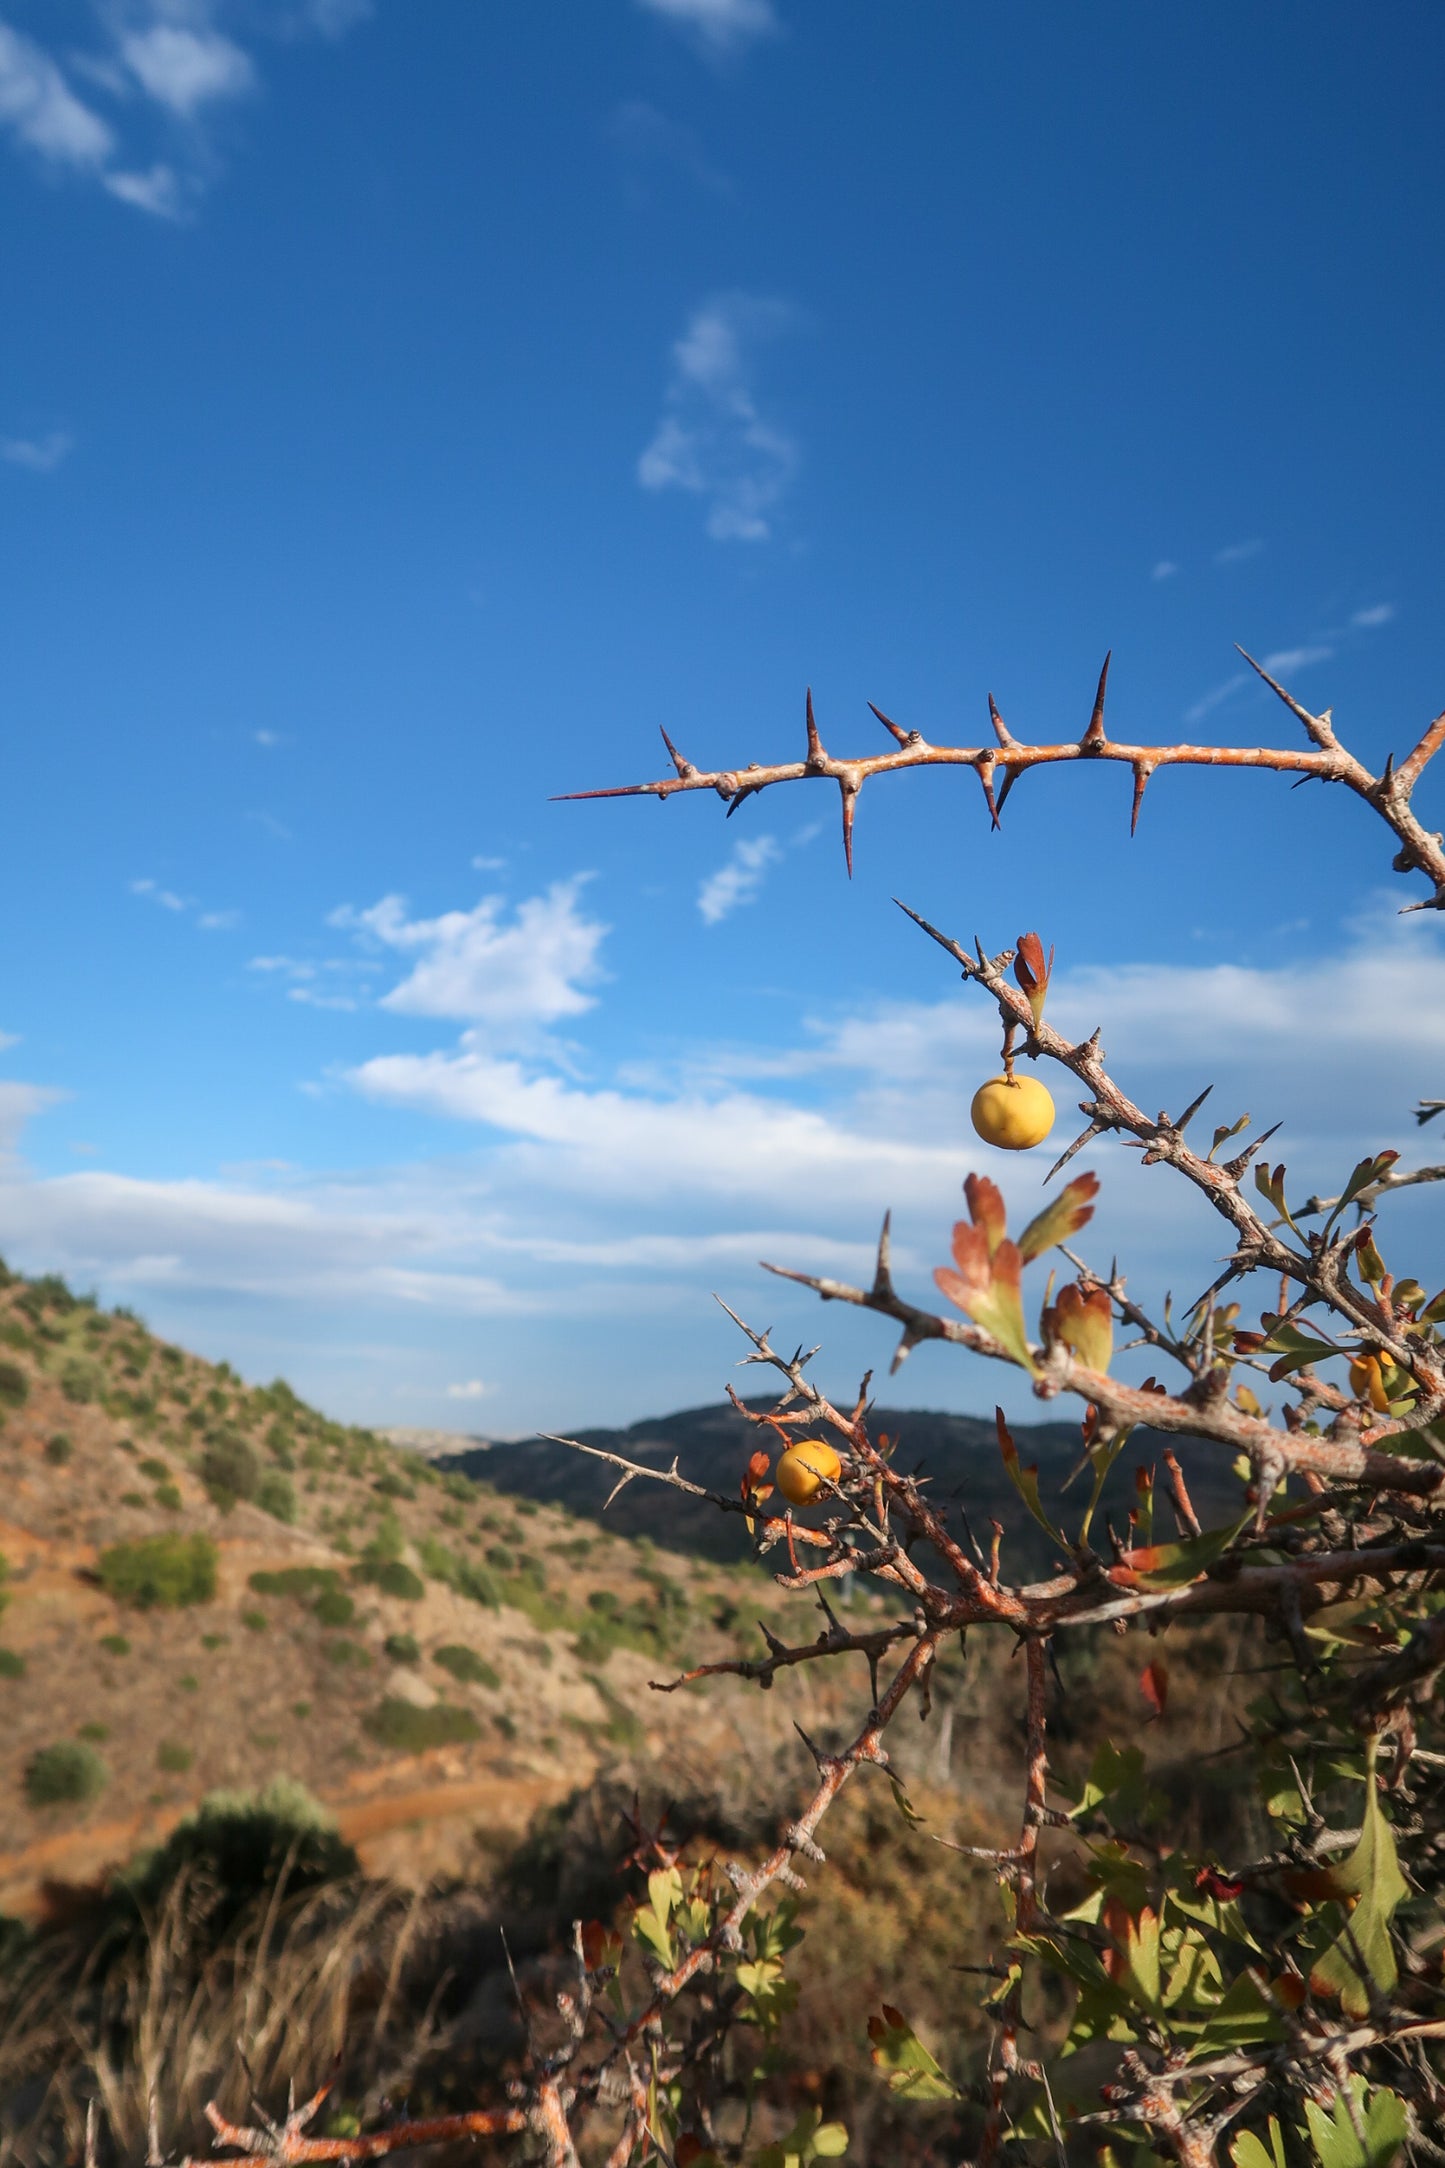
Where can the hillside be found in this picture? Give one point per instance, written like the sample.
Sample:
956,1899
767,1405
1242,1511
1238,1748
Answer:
208,1584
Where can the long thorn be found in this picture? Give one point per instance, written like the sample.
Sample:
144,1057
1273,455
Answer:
815,743
1143,769
1095,734
889,725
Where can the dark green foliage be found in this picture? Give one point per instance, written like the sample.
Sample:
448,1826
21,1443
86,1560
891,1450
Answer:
236,1844
155,1469
115,1644
500,1557
168,1496
229,1468
390,1485
403,1648
174,1759
255,1622
160,1571
96,1733
12,1664
392,1578
66,1774
277,1496
466,1666
80,1380
405,1729
349,1653
14,1386
333,1607
302,1582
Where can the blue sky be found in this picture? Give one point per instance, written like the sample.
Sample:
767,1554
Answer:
406,409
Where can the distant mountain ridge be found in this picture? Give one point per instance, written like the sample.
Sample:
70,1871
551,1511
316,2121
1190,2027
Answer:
959,1454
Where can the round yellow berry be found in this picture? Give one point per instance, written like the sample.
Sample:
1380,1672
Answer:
805,1468
1013,1112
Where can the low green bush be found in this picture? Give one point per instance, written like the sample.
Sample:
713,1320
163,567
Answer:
230,1468
403,1648
405,1729
392,1577
160,1572
80,1380
14,1386
349,1653
277,1496
155,1469
66,1774
302,1582
115,1644
465,1664
12,1664
168,1496
333,1607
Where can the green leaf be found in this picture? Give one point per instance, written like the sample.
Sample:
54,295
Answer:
1244,2018
1368,1171
648,1928
1337,2142
664,1887
1371,1875
1175,1565
1248,2151
1270,1185
910,2069
830,2141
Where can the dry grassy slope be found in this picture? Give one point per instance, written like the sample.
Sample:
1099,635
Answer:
179,1702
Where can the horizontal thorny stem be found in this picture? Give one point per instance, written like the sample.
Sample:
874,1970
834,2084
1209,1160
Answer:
1327,761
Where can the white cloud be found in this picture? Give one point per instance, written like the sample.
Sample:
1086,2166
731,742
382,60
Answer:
722,25
1164,570
166,54
38,104
472,967
184,68
160,191
740,880
1379,614
712,441
473,1389
7,1040
1238,553
489,865
1215,698
42,455
165,897
1285,659
266,737
218,921
19,1104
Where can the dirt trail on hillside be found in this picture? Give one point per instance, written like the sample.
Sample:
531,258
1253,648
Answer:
412,1834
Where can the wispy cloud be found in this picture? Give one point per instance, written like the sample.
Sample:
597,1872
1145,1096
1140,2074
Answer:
1238,553
43,112
472,1389
185,66
163,63
1378,614
1284,660
712,439
168,900
648,137
165,897
42,455
1215,697
740,880
1164,570
722,26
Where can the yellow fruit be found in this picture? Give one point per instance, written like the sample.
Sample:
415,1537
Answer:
805,1468
1013,1112
1367,1382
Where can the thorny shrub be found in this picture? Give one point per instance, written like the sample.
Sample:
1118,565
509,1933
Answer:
1146,1997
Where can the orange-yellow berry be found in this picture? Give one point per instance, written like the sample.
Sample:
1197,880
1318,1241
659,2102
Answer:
1013,1112
805,1468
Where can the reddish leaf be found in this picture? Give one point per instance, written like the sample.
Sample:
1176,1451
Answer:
1067,1213
1033,973
986,1209
1154,1685
1084,1323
